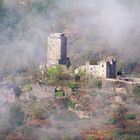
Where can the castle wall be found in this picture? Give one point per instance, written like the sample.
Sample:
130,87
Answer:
104,69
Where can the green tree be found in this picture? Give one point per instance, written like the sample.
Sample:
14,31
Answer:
54,73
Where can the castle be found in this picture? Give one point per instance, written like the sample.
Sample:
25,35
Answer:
57,54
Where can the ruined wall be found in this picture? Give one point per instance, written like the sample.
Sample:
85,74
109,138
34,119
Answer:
104,69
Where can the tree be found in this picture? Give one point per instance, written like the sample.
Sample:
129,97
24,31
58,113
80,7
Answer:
53,73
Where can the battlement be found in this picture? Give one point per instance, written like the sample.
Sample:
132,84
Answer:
57,35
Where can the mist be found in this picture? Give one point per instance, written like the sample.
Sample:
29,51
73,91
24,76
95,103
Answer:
92,27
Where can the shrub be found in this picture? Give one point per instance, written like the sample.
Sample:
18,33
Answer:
73,86
55,70
117,133
54,73
16,115
60,93
36,110
26,81
71,104
80,72
91,138
136,91
113,120
77,78
27,88
98,84
130,116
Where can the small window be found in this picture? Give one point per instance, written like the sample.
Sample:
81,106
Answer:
102,65
91,69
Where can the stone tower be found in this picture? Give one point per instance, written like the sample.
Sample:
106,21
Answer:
57,49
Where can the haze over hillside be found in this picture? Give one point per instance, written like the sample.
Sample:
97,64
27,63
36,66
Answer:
92,26
69,100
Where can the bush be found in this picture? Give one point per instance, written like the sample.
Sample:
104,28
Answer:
55,70
54,73
95,82
73,86
120,134
130,116
16,115
26,81
27,88
136,91
98,84
77,78
117,133
60,93
91,138
113,121
71,104
36,110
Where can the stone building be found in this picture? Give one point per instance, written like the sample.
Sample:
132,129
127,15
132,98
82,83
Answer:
104,69
57,49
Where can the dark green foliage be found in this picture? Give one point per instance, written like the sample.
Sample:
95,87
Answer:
9,18
118,118
73,86
98,84
136,91
16,115
130,116
91,138
35,110
54,73
113,121
71,104
26,84
117,133
60,93
77,78
120,134
55,70
125,66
